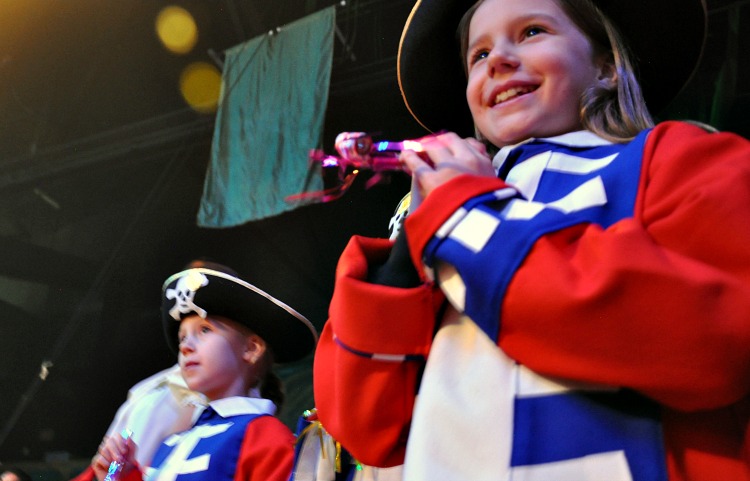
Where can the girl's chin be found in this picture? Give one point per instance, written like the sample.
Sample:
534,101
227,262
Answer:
508,139
508,131
520,126
515,135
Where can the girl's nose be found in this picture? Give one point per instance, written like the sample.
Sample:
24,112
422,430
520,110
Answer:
502,58
186,345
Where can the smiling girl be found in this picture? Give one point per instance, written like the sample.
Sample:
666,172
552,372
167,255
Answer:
575,306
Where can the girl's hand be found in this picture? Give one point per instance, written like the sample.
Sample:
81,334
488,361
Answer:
114,448
451,156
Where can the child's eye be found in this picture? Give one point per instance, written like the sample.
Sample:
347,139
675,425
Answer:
533,31
205,329
477,55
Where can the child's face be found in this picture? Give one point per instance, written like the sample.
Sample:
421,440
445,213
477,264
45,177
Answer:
528,65
213,356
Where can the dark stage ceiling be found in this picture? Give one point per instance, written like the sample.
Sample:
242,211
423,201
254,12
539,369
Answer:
101,171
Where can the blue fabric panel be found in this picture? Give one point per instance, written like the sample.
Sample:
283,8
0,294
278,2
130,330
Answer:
572,425
222,449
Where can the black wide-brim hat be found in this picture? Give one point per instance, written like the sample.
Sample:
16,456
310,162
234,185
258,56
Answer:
666,37
205,292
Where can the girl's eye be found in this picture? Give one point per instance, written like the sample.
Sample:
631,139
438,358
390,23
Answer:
205,329
477,56
533,31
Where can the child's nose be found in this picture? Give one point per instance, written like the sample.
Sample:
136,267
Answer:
186,345
501,58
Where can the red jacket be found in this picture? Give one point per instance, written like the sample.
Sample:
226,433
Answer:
658,302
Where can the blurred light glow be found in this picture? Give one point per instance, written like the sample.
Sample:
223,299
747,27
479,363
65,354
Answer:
413,145
200,85
176,29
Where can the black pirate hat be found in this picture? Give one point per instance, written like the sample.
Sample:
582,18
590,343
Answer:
205,291
666,37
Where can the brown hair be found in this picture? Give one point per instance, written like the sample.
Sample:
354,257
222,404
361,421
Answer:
614,107
272,388
267,382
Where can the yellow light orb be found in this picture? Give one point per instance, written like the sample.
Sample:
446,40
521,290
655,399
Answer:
200,85
176,29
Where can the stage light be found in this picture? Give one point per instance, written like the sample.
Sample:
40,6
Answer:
177,30
200,85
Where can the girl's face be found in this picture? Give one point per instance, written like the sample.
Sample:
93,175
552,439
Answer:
215,357
528,65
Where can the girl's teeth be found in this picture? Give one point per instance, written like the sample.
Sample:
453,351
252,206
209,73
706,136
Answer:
503,96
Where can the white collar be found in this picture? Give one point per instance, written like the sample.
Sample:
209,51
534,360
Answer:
579,138
238,405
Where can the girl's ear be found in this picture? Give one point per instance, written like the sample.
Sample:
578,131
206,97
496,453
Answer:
608,70
255,348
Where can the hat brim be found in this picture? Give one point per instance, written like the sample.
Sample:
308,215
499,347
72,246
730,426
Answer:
667,49
289,334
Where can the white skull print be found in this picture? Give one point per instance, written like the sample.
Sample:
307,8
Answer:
184,293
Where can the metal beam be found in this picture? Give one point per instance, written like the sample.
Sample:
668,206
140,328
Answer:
42,265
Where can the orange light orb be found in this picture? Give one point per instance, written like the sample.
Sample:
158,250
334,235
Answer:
177,30
200,85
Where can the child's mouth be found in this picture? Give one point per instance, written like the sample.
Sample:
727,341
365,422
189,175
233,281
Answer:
512,93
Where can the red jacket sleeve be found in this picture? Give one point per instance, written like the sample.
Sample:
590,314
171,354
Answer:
267,452
658,302
369,357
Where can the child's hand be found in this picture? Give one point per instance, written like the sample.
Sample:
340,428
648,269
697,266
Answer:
451,156
114,448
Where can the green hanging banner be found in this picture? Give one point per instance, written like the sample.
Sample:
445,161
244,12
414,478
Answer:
271,113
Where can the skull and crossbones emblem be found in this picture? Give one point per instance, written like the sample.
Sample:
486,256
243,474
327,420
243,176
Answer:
184,294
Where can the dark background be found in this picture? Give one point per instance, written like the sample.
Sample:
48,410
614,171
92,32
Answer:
101,171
